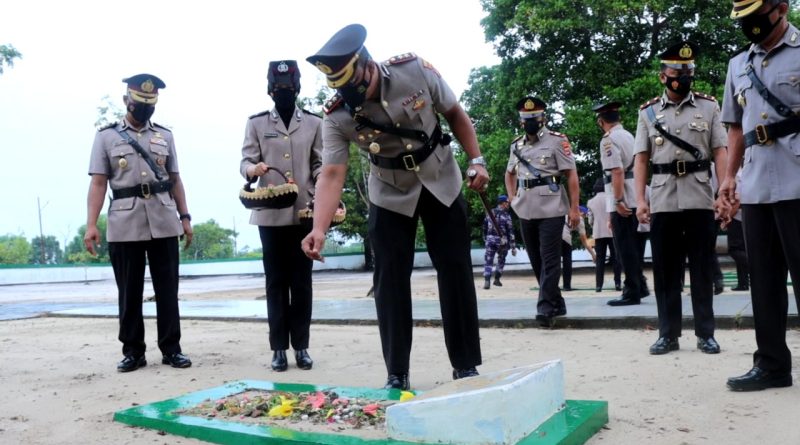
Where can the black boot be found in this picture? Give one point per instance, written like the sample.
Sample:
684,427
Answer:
487,284
497,282
279,363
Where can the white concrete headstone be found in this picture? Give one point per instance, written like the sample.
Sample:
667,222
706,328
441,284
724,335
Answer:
497,408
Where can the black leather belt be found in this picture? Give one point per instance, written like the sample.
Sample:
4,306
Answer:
143,190
680,168
411,160
542,180
764,134
607,176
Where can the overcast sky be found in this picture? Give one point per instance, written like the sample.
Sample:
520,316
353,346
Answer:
213,58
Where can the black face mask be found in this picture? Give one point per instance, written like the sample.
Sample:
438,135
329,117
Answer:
532,126
355,95
141,112
284,99
757,27
680,85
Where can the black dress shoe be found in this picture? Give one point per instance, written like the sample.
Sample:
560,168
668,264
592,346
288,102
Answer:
545,321
303,359
645,292
279,362
464,373
618,287
718,288
624,302
176,360
598,289
664,345
740,288
567,289
497,282
131,363
708,345
559,312
757,379
397,381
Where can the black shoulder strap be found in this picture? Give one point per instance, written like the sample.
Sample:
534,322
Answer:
143,152
776,103
536,172
672,138
364,121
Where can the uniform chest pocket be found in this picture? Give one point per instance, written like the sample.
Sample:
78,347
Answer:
543,159
121,156
788,88
160,153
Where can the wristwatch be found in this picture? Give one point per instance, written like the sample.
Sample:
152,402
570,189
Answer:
185,216
477,161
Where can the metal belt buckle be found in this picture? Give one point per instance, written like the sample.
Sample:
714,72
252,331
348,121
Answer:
680,168
408,162
146,191
761,134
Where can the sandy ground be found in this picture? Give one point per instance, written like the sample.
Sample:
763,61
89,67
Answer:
61,387
60,384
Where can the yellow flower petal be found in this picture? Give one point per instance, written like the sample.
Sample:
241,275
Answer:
406,395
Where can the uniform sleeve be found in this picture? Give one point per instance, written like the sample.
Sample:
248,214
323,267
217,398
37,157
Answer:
335,146
731,111
512,160
719,137
443,97
251,148
172,159
98,162
564,158
611,153
316,152
641,143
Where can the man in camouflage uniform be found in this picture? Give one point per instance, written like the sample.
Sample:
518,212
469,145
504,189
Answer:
498,243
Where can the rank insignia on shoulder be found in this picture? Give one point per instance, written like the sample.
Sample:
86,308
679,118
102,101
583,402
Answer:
107,126
555,133
259,114
565,145
429,66
163,127
705,96
402,58
332,103
608,152
649,102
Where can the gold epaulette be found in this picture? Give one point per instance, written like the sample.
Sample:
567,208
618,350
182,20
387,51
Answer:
402,58
517,139
259,114
332,103
108,126
704,96
650,102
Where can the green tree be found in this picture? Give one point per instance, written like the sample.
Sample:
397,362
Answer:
52,253
7,55
211,241
108,111
76,250
14,249
574,53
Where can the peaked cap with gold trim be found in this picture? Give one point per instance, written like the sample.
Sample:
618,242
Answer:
339,56
144,88
529,107
743,8
680,55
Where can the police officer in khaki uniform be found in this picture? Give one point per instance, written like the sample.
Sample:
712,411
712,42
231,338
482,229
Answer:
762,103
390,110
681,133
616,157
537,161
599,218
289,139
146,215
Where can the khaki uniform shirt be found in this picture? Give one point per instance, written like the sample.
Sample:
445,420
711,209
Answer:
134,218
412,93
599,216
771,173
550,154
696,120
616,151
296,152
